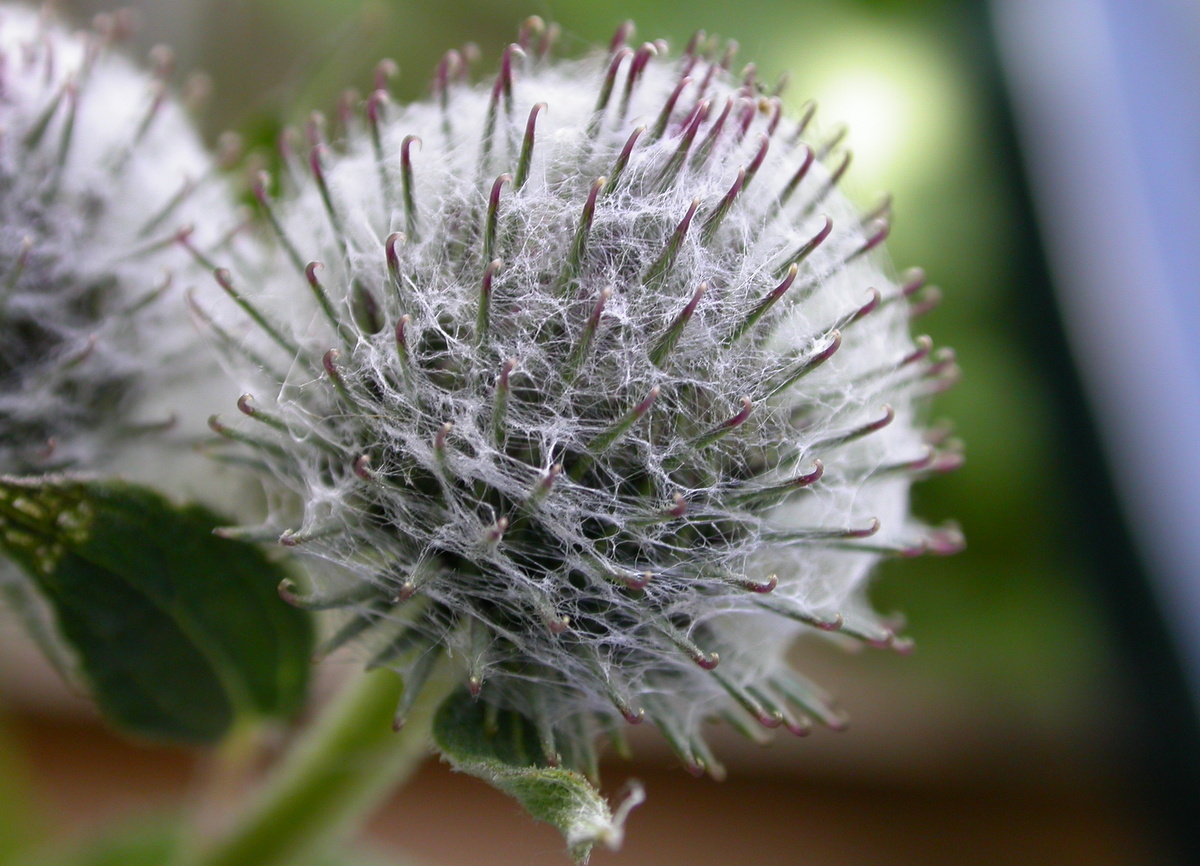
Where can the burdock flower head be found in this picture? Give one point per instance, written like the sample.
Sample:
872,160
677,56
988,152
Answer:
590,379
99,167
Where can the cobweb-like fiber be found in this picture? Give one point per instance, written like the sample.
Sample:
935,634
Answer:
600,387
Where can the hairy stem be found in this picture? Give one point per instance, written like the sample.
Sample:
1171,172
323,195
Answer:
329,783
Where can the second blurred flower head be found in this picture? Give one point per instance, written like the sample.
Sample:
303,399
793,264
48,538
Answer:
100,170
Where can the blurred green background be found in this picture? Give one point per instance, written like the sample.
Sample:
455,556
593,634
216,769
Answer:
1016,675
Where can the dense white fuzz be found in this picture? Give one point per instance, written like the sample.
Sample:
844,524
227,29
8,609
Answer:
609,399
99,169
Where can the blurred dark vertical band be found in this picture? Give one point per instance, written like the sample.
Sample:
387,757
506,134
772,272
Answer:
1144,590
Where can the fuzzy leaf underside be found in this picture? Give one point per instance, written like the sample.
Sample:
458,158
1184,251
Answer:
176,632
508,757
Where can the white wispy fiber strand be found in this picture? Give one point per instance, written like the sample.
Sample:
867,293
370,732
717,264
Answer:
610,444
100,167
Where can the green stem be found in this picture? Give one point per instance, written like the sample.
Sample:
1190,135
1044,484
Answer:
329,783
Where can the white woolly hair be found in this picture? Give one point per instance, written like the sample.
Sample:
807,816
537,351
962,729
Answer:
100,169
589,392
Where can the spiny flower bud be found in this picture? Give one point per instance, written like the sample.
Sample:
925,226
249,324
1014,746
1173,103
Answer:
99,169
594,381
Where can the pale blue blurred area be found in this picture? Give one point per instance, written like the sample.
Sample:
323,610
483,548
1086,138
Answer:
1157,58
1108,99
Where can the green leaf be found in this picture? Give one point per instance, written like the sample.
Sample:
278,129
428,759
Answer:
177,632
506,754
